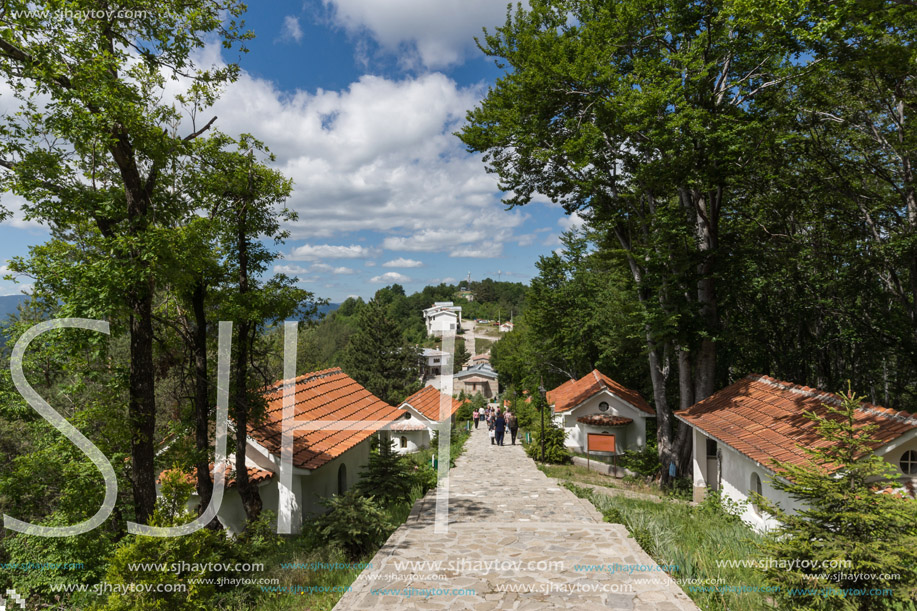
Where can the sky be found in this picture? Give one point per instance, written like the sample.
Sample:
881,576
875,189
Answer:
359,100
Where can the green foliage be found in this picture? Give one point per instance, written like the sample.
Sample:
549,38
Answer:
464,413
387,477
461,356
199,548
644,462
356,524
554,450
379,358
843,517
670,532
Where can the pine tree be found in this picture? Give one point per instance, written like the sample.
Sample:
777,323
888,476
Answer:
461,356
844,518
379,358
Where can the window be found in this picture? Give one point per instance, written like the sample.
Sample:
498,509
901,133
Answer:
908,462
603,406
404,441
755,488
711,448
342,479
407,415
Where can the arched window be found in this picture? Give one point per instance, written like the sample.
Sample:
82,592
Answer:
755,488
342,479
404,441
908,462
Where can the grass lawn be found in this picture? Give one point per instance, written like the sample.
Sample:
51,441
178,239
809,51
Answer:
693,539
581,475
482,345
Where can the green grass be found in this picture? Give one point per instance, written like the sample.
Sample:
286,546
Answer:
582,475
693,539
481,345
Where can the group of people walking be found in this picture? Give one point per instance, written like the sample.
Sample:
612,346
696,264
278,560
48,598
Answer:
497,424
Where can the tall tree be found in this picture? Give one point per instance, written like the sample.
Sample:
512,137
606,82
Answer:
94,140
249,196
640,114
379,358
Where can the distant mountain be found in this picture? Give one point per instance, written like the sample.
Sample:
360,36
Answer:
327,309
9,303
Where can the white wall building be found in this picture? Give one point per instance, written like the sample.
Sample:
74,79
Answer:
420,414
441,317
327,456
597,404
740,430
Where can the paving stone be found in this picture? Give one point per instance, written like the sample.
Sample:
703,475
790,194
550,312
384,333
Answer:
502,509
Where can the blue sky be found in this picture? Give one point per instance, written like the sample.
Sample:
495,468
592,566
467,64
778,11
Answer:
359,99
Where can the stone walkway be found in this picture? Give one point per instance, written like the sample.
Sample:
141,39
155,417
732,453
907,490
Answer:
515,541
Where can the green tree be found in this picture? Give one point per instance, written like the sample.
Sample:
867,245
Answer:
638,114
92,150
461,356
844,517
250,197
379,358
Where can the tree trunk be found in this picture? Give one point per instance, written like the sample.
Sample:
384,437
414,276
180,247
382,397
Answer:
141,384
142,406
201,398
251,500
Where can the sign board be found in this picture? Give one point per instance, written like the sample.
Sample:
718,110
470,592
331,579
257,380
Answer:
600,442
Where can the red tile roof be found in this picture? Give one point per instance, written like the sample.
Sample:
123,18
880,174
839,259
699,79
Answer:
407,425
426,401
330,400
573,392
255,475
604,420
763,418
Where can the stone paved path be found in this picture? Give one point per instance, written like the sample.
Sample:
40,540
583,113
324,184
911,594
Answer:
514,542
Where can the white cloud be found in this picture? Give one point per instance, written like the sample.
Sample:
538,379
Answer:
290,31
331,269
571,221
436,33
379,156
312,252
16,289
291,270
390,277
402,262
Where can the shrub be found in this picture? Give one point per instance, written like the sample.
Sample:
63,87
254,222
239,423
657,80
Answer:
387,477
354,523
198,549
555,451
644,462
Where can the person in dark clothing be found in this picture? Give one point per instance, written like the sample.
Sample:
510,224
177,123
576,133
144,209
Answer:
476,418
499,428
513,425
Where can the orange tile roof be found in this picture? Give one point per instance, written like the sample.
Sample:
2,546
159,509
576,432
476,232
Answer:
604,420
426,401
407,425
763,419
255,475
573,392
329,396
